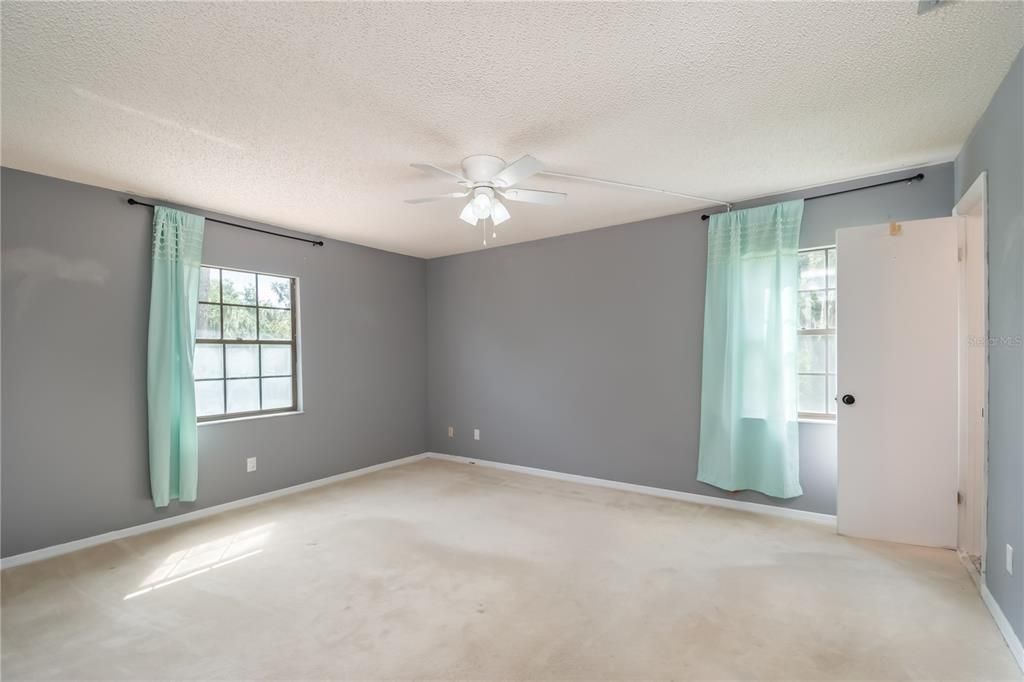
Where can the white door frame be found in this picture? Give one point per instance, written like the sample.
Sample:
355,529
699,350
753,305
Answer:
972,442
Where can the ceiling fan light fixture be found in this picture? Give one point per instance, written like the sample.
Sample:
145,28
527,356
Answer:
499,213
487,181
468,215
481,205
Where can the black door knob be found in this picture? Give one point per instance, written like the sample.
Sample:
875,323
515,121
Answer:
849,399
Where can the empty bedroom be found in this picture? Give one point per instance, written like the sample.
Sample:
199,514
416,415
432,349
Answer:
512,340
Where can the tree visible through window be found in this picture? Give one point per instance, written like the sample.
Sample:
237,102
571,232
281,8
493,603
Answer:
245,356
817,334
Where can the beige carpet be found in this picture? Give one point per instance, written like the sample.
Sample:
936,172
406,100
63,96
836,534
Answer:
442,570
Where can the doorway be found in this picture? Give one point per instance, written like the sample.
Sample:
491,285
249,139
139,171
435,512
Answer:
912,359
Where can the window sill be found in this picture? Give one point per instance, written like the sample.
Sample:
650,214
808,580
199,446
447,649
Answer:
228,420
814,420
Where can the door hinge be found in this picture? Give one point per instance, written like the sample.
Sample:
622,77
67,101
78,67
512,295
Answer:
959,497
960,254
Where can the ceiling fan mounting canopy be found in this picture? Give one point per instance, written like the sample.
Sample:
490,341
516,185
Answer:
480,168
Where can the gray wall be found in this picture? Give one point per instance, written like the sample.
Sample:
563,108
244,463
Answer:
582,353
75,309
579,353
997,145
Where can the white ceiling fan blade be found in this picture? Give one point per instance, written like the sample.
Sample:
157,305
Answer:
451,195
533,196
440,172
517,171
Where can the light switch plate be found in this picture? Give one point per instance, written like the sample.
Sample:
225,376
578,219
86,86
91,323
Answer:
476,434
250,464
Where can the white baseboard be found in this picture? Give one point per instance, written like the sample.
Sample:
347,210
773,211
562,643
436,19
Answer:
1012,640
696,498
83,543
74,545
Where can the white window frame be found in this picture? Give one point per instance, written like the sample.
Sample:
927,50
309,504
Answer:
829,332
258,342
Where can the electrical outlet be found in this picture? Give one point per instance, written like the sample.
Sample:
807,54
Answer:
250,464
1009,559
476,434
451,432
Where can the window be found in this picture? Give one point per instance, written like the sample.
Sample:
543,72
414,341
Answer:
245,357
816,363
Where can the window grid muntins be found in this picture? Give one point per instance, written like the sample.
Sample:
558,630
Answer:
255,333
817,333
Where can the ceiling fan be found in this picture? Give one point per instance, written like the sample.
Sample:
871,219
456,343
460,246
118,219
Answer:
486,180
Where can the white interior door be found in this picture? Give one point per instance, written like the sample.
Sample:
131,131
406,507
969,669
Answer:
897,378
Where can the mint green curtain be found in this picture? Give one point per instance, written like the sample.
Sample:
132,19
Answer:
174,292
748,408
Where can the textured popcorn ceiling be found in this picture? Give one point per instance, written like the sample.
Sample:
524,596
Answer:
307,115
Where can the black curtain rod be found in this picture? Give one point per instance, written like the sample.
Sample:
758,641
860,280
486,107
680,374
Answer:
912,178
135,202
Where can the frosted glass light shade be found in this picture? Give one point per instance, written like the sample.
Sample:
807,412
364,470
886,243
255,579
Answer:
499,213
468,215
